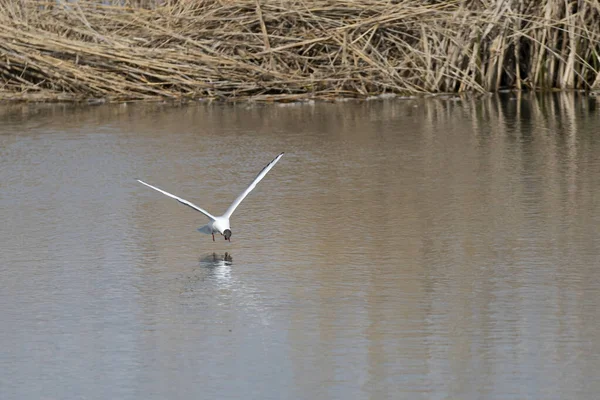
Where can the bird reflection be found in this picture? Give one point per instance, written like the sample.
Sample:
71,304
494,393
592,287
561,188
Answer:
218,266
215,259
213,282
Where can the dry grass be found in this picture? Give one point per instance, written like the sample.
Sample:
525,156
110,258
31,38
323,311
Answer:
291,50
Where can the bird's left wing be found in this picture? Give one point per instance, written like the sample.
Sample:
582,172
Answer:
246,192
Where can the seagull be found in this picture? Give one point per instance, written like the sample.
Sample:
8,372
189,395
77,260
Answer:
221,224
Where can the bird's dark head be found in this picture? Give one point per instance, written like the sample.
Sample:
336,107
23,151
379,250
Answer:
227,234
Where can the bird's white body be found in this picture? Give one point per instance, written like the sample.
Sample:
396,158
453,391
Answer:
218,225
221,224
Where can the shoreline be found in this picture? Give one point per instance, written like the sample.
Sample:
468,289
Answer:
40,99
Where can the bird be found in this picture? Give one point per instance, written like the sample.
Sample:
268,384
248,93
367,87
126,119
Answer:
221,223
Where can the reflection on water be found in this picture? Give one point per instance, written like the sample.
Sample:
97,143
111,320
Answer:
435,248
216,261
218,267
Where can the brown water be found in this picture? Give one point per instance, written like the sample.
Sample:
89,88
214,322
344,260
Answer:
400,249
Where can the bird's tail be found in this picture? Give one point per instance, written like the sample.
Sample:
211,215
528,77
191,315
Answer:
205,229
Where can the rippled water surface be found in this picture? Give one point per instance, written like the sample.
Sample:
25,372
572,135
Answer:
418,249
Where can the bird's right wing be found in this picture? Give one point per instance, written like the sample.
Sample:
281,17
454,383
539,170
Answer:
179,199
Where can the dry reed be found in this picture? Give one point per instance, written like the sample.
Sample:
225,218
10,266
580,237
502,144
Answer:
292,50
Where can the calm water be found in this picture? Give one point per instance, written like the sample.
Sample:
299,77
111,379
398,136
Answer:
400,249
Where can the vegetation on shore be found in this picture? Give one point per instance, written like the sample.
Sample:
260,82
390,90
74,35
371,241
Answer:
293,50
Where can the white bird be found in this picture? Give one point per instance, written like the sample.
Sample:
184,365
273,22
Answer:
221,224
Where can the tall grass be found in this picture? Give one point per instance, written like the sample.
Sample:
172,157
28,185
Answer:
295,49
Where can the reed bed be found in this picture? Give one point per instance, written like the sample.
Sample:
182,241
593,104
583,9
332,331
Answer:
292,50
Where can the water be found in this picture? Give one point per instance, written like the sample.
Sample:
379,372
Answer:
422,249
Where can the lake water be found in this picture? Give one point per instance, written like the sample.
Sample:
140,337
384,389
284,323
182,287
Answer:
414,249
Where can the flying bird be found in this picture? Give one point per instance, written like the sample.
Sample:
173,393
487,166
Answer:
221,224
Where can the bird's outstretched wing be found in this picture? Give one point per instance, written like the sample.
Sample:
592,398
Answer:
258,178
179,199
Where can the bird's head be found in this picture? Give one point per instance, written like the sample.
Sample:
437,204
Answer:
227,234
